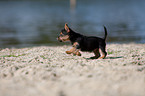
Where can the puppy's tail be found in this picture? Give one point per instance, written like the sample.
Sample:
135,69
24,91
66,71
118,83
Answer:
105,29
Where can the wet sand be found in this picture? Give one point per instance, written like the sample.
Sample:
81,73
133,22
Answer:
49,71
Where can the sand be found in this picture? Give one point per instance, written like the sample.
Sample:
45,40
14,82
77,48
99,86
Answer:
49,71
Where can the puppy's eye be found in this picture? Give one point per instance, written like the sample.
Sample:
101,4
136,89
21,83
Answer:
61,35
63,32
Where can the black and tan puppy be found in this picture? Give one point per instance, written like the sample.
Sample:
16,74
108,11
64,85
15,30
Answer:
84,43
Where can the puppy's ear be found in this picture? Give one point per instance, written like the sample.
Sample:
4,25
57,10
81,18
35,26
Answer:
67,28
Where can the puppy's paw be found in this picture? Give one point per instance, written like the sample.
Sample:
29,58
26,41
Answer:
100,58
94,57
77,53
68,52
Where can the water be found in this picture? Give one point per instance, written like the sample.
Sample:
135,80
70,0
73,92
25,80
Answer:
32,23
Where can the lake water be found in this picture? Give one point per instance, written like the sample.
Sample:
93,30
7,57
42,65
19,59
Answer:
32,23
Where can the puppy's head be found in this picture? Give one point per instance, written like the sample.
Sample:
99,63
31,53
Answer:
64,34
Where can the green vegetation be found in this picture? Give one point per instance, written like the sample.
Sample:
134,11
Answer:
110,53
13,55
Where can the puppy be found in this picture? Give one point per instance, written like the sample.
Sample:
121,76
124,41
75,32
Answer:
84,43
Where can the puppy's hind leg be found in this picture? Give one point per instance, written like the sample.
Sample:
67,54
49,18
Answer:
103,53
97,54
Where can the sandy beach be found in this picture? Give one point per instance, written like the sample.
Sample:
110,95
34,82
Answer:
49,71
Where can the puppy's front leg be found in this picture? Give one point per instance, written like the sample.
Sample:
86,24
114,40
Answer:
74,51
77,47
71,50
77,52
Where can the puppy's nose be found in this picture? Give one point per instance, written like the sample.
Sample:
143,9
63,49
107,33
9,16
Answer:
57,38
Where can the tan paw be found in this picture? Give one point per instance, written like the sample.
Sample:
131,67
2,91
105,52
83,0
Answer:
101,57
68,52
78,54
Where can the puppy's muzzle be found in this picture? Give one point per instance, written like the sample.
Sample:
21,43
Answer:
58,38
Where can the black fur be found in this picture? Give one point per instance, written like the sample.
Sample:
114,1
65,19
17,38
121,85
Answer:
87,43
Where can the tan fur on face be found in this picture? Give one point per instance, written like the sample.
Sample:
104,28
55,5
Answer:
64,38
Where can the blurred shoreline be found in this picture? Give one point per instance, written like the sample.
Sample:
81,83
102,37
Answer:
24,23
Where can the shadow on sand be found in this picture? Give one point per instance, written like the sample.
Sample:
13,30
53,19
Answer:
114,57
105,58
